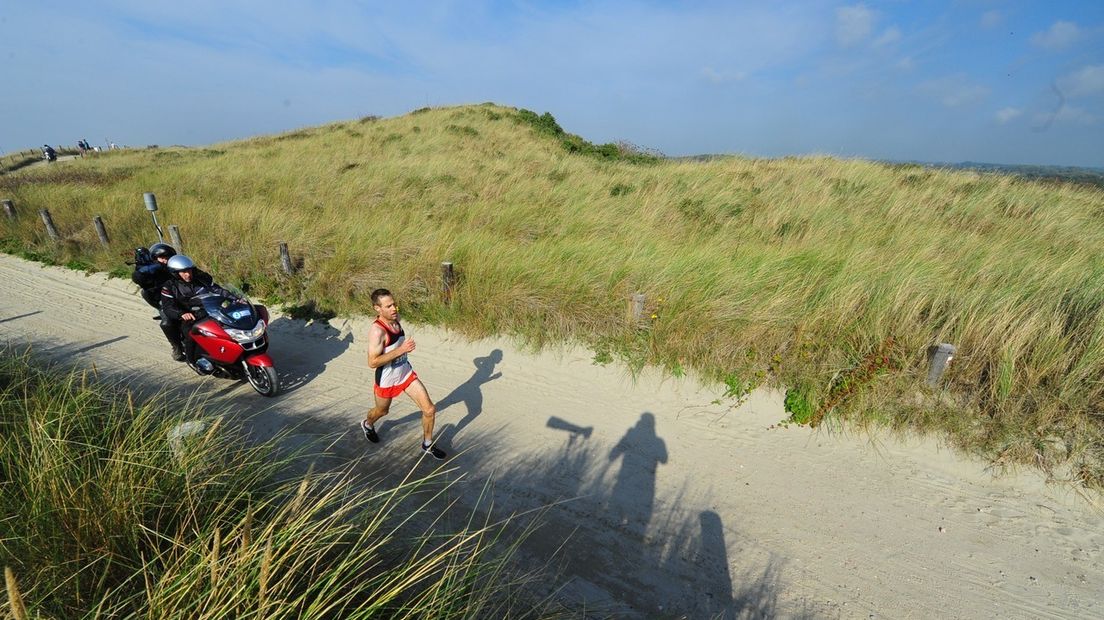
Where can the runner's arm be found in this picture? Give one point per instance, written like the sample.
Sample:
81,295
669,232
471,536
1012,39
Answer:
376,356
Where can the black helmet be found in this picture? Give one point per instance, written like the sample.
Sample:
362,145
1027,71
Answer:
162,250
180,263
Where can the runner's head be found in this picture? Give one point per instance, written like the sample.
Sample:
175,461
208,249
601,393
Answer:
384,303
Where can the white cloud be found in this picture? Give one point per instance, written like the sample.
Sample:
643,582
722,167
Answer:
906,63
1005,115
853,24
1060,35
954,91
890,36
991,19
1085,81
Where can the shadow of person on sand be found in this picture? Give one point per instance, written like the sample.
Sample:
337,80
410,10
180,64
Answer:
468,393
302,350
632,499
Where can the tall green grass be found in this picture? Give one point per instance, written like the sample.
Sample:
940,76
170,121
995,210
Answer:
795,272
103,517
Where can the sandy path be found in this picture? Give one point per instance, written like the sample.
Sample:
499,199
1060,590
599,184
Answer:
681,506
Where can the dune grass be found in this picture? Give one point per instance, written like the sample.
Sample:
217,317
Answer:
104,516
828,277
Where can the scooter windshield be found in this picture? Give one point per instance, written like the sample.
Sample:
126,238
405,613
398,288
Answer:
234,311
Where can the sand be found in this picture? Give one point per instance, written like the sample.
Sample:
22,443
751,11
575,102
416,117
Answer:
662,500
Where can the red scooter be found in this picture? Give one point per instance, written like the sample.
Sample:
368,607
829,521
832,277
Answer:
231,340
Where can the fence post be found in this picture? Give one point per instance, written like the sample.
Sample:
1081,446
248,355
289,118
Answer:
9,209
637,309
285,259
101,230
49,222
448,282
174,234
939,357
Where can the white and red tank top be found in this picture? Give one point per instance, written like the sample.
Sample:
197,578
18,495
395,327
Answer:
395,376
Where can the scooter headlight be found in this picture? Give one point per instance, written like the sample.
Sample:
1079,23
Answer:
247,335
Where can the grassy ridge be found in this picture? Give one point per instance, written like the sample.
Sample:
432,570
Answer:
104,518
830,277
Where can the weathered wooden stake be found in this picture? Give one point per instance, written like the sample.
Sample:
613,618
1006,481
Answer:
939,357
285,259
448,281
101,230
174,234
637,309
9,209
49,222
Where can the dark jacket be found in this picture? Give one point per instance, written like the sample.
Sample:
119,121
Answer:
176,294
154,275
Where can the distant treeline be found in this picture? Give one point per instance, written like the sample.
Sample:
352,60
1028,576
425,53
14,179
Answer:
1089,176
1070,174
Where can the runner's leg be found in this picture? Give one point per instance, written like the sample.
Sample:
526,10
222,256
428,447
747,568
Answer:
418,393
383,405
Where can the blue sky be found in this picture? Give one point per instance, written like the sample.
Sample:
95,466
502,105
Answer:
1011,82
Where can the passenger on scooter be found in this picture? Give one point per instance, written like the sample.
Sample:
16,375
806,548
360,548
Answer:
187,281
151,277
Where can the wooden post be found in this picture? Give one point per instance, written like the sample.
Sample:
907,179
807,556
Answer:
9,209
939,357
285,259
49,222
637,309
101,230
174,234
448,282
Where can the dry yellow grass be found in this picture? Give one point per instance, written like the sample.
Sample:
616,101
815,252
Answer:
797,271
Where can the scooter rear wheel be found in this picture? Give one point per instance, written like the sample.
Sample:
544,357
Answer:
263,379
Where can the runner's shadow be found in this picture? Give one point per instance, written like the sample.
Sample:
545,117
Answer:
468,393
302,350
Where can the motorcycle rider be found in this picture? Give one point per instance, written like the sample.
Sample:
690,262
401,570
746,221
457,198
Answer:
151,277
49,153
186,282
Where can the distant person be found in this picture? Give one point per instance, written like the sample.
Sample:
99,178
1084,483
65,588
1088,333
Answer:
388,347
112,147
49,153
186,283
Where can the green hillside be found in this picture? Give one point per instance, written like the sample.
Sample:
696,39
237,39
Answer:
828,277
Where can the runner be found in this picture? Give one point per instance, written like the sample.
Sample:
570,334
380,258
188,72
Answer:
388,347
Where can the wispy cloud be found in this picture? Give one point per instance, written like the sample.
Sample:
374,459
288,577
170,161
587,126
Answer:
720,77
992,19
1059,36
954,90
1004,115
890,36
853,24
1085,81
1068,114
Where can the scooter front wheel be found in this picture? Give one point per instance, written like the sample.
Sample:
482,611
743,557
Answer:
263,379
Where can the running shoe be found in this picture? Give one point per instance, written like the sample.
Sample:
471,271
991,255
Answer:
369,432
433,451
